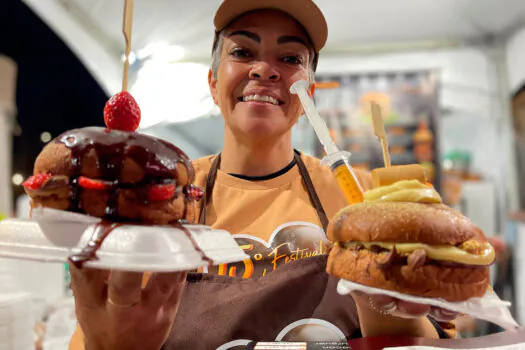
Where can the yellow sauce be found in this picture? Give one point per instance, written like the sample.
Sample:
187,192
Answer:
440,252
404,191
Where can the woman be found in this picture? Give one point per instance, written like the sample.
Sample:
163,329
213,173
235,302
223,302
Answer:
266,194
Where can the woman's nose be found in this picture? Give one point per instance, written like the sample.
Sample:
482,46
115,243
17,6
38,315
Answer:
264,71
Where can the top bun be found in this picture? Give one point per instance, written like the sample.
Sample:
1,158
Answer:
403,222
128,157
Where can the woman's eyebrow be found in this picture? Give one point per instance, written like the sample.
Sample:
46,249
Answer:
246,33
282,40
291,39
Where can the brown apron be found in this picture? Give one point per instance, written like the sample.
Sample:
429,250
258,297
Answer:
295,301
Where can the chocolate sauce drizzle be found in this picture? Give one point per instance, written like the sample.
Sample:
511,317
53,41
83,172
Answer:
104,228
158,158
203,255
100,232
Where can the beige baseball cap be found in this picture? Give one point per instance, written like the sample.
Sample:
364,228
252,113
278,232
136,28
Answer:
305,12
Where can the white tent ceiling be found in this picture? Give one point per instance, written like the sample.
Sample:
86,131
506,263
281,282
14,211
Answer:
92,28
351,22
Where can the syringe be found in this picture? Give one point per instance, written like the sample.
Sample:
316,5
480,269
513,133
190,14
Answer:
336,159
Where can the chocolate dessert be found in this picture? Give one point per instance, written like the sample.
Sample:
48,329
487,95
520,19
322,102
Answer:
115,174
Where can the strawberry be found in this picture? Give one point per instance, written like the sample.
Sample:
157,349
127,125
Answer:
122,112
36,182
92,184
161,192
194,192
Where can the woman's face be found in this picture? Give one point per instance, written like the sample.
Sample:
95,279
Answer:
263,54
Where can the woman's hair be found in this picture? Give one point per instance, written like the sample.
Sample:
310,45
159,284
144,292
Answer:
218,42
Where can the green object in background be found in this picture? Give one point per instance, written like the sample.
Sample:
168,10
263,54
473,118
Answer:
458,155
67,279
457,160
2,216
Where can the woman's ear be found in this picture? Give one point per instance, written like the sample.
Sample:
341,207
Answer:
311,90
212,83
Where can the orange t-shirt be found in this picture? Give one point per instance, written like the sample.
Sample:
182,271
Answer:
258,208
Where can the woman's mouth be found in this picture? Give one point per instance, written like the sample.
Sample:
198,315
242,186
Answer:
261,99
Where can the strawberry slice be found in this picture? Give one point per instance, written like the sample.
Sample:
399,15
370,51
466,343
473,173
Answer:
36,182
194,192
92,184
161,192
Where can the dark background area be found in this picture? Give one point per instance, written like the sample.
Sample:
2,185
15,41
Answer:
55,92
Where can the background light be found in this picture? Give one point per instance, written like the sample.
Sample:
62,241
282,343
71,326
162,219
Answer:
161,51
45,137
176,92
132,57
17,179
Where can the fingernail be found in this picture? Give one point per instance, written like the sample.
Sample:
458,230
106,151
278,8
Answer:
390,306
443,315
448,312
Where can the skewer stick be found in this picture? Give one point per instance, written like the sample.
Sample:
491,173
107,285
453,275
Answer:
379,131
126,30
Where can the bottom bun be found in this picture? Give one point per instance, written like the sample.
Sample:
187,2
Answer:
432,281
129,207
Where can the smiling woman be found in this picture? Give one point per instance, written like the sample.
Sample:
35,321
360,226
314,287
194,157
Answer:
257,65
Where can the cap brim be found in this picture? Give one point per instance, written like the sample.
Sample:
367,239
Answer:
303,11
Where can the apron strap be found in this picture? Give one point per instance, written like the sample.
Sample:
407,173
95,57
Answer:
210,182
310,189
312,193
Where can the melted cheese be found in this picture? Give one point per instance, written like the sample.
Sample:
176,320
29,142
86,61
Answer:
441,252
404,191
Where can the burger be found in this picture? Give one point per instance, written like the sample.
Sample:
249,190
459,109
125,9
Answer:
402,238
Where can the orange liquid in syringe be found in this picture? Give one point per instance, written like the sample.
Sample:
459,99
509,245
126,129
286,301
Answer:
347,182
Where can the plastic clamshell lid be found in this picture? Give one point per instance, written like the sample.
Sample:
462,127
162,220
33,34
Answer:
128,247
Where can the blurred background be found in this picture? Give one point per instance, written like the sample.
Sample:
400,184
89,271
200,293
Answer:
449,75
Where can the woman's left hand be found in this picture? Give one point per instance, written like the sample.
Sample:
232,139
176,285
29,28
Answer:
387,305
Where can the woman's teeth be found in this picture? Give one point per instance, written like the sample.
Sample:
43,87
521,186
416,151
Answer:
260,98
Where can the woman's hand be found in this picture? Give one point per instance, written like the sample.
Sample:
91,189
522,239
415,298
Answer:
114,311
386,305
384,315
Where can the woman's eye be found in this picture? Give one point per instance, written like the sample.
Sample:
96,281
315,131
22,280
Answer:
292,60
240,53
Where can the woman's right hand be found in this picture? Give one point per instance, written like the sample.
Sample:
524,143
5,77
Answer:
115,312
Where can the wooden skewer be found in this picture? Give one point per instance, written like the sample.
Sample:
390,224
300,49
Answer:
126,30
379,131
